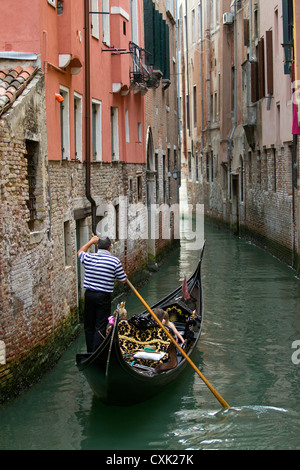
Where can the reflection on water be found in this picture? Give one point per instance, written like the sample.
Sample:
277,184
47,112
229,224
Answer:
252,305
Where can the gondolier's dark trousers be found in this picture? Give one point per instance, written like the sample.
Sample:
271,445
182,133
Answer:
97,309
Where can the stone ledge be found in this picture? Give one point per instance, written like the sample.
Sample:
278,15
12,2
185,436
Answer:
36,237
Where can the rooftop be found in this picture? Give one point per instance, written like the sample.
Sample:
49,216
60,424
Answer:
12,83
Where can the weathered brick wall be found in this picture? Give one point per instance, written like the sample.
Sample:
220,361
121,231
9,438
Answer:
32,307
269,202
38,296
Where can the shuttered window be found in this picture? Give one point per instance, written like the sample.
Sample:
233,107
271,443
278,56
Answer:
254,83
269,52
261,69
156,39
287,20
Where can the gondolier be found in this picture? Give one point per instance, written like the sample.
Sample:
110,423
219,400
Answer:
101,270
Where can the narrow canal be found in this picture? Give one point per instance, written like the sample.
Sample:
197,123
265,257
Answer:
252,319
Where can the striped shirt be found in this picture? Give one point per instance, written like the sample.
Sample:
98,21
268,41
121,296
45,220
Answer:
101,270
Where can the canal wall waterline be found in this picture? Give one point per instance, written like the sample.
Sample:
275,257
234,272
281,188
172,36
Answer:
283,253
22,372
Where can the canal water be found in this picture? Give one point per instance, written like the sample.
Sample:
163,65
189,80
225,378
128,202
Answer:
251,323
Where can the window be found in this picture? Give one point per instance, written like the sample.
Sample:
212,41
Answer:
67,243
193,27
195,105
212,14
134,22
139,188
105,22
127,125
170,8
114,133
241,179
60,7
207,167
156,179
189,166
95,19
261,68
65,124
131,198
169,178
217,12
188,112
269,53
164,178
96,130
287,20
139,132
156,33
276,39
78,126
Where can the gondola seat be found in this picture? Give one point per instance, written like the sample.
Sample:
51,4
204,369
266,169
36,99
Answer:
133,339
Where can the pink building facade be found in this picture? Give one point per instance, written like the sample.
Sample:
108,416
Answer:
55,31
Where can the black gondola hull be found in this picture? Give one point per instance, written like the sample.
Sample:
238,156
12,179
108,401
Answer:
114,381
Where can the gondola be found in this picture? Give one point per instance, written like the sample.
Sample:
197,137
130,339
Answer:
125,369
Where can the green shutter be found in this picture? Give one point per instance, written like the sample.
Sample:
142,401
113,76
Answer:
167,53
148,30
157,40
287,20
156,33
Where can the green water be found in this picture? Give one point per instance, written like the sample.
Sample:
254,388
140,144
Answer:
252,317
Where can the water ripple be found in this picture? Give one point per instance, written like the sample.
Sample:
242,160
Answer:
244,428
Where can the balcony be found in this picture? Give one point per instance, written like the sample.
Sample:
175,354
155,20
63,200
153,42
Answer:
141,76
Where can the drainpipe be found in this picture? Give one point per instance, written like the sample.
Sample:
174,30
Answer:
295,142
178,95
88,114
187,68
235,101
201,75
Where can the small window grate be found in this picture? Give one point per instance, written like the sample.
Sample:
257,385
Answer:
31,178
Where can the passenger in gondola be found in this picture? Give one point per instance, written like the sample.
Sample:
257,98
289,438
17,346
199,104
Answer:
121,310
166,321
163,316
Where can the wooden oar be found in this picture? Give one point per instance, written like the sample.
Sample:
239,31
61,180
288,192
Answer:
211,388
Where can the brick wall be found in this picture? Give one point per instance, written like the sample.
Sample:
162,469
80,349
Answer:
33,307
38,280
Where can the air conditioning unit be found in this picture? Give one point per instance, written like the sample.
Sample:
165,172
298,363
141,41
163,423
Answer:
227,18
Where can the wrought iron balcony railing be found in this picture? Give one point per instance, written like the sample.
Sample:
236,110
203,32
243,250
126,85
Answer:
140,73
